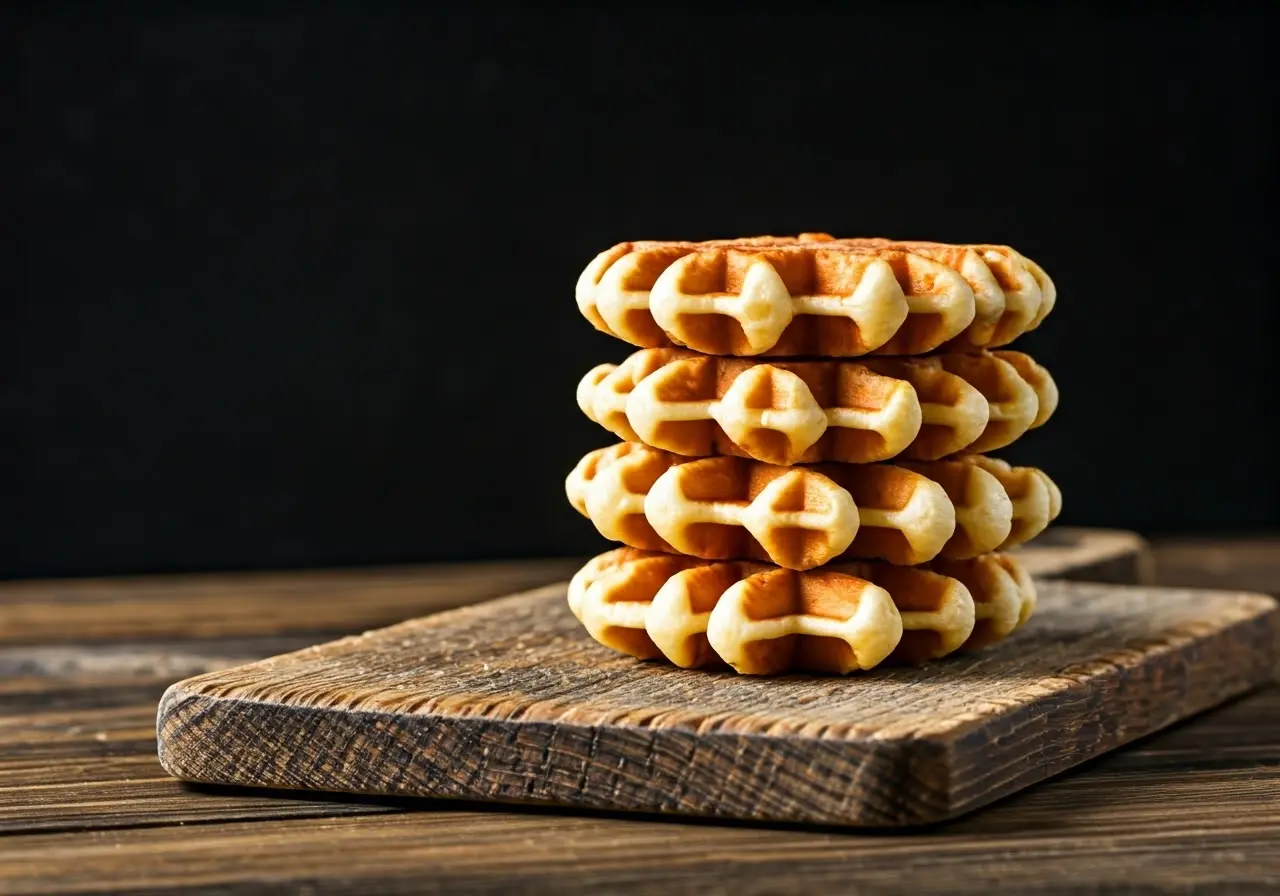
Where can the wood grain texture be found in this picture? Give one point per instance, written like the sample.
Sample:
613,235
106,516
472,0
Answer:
1109,556
1208,833
1192,809
1249,564
135,661
231,605
509,701
96,769
156,800
239,604
89,763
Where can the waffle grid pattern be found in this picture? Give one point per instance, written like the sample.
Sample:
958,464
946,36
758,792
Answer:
803,481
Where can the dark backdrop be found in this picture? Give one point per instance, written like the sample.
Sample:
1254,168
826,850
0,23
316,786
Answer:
295,288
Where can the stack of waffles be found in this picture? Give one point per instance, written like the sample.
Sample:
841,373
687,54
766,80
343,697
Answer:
804,479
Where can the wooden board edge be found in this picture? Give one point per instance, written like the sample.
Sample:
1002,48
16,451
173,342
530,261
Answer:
1244,654
559,756
1102,556
555,751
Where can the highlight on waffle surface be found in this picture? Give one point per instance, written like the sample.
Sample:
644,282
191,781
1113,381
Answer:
804,479
814,295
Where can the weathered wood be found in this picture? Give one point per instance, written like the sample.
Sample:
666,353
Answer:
239,604
509,701
227,605
104,775
79,681
90,767
1216,833
158,800
119,662
1250,564
1191,808
1110,556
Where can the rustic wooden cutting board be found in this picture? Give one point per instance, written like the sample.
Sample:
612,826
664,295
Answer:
510,701
1089,555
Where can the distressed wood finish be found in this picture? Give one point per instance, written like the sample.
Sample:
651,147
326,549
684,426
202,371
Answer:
1109,556
1250,564
234,605
78,753
230,605
509,701
1197,804
1085,841
88,809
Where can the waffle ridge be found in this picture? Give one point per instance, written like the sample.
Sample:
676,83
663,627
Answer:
761,619
787,412
734,508
804,481
814,295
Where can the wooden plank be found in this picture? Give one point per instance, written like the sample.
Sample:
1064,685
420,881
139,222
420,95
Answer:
1111,556
1249,564
1195,780
1087,840
240,604
347,601
74,679
86,767
1239,735
95,666
100,805
43,733
21,696
119,744
92,782
509,701
78,745
1187,788
101,772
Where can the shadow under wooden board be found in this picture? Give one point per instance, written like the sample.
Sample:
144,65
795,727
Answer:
510,701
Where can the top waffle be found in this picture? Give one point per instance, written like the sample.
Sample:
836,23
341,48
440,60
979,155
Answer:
1012,294
813,295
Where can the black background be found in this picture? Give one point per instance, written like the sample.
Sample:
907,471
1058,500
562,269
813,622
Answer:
294,288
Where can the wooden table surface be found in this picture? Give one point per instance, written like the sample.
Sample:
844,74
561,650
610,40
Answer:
85,807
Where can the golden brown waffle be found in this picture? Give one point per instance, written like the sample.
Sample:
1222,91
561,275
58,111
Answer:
762,619
755,297
1003,593
719,508
733,508
814,295
1022,291
998,506
810,411
1012,402
777,619
1012,294
1035,498
1039,379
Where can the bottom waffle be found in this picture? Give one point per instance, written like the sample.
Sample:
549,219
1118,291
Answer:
761,619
